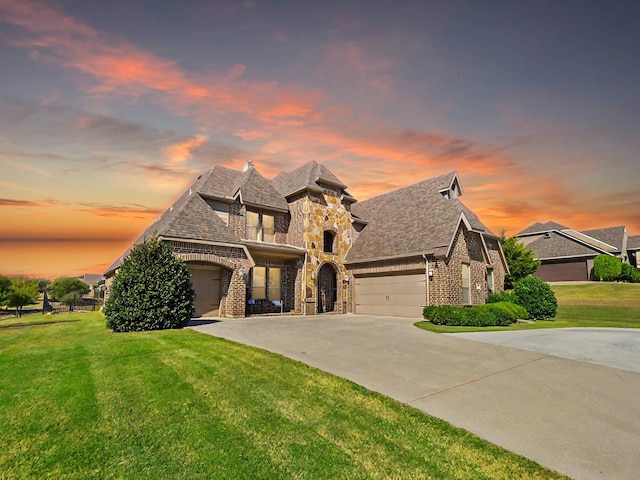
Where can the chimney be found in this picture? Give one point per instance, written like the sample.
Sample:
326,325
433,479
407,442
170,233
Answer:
247,166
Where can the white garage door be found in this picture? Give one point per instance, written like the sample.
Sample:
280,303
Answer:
398,295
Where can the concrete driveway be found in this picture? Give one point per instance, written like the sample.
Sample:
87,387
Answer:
612,347
578,418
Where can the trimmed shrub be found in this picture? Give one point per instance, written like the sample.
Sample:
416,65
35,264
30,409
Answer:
626,273
504,296
635,276
443,314
476,316
607,267
501,316
536,297
518,311
151,291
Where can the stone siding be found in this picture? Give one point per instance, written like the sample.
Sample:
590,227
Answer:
322,213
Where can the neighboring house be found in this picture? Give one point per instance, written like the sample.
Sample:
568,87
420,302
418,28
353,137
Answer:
633,248
567,254
91,279
300,243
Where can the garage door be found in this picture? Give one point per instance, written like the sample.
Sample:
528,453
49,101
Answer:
398,295
206,283
564,271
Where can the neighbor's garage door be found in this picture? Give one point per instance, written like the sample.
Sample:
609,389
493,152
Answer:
563,271
398,295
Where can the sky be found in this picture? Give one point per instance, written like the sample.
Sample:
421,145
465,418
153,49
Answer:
110,110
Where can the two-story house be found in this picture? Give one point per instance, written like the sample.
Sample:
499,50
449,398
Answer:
300,243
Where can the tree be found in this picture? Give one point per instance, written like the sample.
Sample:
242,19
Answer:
23,291
5,285
151,291
69,290
519,258
607,267
43,284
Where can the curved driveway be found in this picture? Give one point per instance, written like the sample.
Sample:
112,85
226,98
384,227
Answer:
578,418
612,347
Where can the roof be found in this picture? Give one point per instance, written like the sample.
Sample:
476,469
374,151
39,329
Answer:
541,228
305,177
399,226
91,278
611,240
614,236
633,243
224,183
558,245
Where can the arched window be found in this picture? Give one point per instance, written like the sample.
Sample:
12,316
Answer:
328,240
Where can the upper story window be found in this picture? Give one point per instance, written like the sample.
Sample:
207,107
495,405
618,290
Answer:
328,240
260,226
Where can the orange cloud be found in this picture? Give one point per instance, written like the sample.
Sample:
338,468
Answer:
181,151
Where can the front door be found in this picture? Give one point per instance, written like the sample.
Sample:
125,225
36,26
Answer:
327,288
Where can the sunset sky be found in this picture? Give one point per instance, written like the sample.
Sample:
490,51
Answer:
109,110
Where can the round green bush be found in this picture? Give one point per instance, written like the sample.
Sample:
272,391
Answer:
607,267
536,297
151,290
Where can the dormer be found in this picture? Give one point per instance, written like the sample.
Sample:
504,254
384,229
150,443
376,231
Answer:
453,189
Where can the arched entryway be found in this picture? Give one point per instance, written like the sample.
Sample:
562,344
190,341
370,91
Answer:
327,288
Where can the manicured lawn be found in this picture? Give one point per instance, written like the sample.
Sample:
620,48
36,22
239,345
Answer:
77,401
589,305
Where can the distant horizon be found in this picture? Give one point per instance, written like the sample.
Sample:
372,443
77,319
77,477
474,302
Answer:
109,111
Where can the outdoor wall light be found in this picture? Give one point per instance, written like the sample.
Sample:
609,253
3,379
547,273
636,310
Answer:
313,275
241,272
431,273
346,279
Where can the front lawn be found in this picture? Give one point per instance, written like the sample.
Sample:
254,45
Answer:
614,305
77,401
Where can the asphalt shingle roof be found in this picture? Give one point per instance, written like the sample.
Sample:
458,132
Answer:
556,245
539,227
305,177
633,242
411,220
614,236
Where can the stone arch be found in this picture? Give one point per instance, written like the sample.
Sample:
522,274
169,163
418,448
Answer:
208,258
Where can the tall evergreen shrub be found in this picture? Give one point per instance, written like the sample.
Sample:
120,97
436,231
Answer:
151,291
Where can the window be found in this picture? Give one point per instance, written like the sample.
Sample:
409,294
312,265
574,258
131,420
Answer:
274,284
466,284
259,283
328,241
490,280
265,283
260,226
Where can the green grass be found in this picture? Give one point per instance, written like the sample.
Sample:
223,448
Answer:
589,305
77,401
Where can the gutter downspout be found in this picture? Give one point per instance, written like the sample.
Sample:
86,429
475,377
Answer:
426,274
